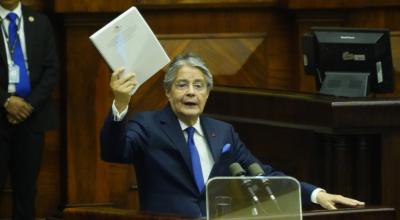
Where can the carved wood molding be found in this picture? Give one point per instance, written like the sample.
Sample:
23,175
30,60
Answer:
90,6
336,4
62,6
234,59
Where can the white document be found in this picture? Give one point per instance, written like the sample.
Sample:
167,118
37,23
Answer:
127,41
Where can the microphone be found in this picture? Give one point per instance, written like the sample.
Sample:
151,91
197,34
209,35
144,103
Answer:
256,170
237,170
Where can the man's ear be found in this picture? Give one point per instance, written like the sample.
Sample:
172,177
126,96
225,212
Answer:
167,94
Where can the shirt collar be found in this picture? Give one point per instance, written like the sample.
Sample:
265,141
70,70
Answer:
196,127
4,12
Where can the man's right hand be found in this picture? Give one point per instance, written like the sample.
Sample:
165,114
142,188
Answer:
18,108
329,201
121,87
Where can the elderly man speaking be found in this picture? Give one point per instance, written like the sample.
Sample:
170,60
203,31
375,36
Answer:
176,150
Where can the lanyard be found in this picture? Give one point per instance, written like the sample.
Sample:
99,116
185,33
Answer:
11,49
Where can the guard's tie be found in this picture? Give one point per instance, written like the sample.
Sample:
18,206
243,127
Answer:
196,165
23,87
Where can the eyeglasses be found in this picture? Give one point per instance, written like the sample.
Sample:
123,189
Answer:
198,86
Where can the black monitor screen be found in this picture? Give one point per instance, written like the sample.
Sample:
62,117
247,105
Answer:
349,57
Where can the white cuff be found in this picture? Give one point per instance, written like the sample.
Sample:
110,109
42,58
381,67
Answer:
117,115
314,194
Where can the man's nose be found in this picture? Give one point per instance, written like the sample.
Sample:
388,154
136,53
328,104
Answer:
190,89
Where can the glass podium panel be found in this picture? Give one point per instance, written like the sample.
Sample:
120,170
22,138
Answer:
253,198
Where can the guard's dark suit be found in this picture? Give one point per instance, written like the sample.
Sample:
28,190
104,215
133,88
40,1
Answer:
21,145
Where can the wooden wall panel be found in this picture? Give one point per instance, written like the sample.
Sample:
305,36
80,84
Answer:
90,180
390,171
339,4
39,5
234,59
49,187
83,163
396,55
119,5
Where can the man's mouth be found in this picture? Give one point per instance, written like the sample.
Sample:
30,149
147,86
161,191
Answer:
189,103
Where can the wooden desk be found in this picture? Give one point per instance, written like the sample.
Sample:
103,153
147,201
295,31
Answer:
106,213
352,214
348,146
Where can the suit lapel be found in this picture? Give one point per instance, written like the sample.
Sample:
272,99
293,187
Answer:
171,127
212,138
29,20
3,48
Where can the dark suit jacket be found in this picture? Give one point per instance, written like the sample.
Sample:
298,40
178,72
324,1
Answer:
155,144
43,71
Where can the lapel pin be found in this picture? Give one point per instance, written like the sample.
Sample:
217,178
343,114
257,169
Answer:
212,134
226,148
31,19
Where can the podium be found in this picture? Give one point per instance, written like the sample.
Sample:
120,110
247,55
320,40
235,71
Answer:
253,198
108,213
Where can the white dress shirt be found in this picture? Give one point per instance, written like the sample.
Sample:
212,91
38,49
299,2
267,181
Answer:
206,159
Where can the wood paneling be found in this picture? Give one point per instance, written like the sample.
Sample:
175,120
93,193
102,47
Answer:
85,180
119,5
389,170
39,5
234,59
339,4
48,184
252,44
243,49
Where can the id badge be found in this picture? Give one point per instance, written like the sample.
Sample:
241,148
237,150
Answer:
13,73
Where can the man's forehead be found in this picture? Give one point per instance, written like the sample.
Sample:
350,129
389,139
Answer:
188,69
190,79
192,75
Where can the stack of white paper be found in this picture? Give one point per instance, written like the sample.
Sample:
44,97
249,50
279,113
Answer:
127,41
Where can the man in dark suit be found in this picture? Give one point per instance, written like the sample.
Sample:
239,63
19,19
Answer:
175,150
28,74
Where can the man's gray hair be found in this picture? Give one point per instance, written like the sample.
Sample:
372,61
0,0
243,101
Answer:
187,59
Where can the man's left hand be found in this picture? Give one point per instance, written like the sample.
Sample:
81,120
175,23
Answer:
329,201
13,120
18,108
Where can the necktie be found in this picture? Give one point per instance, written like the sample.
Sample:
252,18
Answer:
23,87
198,174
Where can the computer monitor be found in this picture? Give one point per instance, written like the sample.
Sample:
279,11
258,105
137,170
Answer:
349,62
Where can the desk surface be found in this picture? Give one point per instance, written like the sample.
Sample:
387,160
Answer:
105,213
305,111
